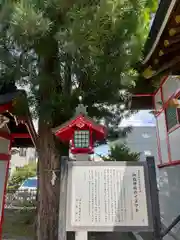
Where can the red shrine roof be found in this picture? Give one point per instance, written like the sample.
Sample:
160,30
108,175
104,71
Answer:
14,106
81,122
161,53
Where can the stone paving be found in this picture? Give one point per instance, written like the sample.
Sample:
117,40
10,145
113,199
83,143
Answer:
17,238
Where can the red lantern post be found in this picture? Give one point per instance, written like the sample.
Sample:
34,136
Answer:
81,131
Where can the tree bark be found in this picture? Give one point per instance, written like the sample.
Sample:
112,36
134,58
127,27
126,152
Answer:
49,185
49,149
49,155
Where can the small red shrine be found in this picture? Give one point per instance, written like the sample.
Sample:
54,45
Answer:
16,130
82,131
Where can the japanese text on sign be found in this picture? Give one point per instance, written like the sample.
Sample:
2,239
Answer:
108,196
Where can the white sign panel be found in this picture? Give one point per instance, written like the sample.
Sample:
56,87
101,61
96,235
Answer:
108,196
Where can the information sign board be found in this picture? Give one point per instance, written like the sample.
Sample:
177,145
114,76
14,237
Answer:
108,196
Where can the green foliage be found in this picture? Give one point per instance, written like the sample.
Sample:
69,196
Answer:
63,49
121,153
21,174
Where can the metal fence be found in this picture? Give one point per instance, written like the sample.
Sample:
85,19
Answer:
21,199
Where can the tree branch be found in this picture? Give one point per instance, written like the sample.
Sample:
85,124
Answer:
67,75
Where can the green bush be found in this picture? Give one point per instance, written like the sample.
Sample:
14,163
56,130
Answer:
21,174
121,153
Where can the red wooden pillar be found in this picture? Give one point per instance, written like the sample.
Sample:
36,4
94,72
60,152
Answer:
5,150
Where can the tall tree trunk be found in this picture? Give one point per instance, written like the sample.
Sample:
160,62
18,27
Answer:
49,150
49,185
49,155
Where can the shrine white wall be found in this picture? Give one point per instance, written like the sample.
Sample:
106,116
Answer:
168,137
174,141
168,161
4,146
170,87
162,138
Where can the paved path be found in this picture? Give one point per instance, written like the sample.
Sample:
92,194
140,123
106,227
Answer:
122,236
16,238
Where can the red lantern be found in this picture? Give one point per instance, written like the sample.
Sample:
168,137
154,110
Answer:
82,131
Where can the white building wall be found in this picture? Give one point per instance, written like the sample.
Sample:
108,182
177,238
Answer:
174,141
168,141
142,140
162,133
169,176
17,160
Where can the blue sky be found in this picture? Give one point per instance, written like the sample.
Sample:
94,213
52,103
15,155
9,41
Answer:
142,118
